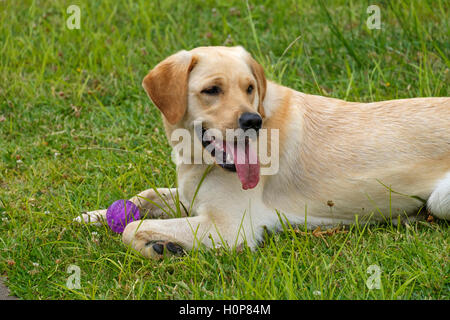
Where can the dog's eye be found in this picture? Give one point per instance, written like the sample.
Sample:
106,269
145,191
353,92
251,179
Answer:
213,91
250,89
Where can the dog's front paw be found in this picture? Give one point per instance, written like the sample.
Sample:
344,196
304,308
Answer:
93,217
150,244
157,249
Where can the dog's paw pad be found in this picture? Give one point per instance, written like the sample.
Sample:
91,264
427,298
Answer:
175,248
157,249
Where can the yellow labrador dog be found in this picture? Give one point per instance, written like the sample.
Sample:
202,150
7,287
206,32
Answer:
337,160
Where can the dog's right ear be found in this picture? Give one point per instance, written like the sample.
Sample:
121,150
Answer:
167,85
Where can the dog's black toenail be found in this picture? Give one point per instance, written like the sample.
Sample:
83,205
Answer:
159,248
174,248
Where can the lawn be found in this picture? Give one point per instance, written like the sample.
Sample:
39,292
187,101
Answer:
77,132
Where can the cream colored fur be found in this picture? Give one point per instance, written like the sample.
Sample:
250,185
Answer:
338,160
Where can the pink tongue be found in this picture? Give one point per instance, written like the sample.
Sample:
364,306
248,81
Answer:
247,164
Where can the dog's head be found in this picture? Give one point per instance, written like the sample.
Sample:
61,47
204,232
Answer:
221,87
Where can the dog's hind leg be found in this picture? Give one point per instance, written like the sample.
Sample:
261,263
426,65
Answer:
439,200
160,203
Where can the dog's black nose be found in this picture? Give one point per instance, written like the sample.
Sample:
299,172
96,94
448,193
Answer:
249,120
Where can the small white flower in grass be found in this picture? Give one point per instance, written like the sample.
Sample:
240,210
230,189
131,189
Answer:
46,212
35,264
57,154
19,161
5,219
317,293
94,235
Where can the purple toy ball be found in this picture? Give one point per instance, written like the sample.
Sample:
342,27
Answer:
118,218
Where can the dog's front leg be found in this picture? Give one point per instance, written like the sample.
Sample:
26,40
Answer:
159,203
154,238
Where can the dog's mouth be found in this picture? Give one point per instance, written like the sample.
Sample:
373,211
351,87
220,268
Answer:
239,155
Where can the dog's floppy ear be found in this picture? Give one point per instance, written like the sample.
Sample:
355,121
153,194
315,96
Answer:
167,85
261,81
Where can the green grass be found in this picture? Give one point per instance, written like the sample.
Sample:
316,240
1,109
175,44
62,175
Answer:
77,132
